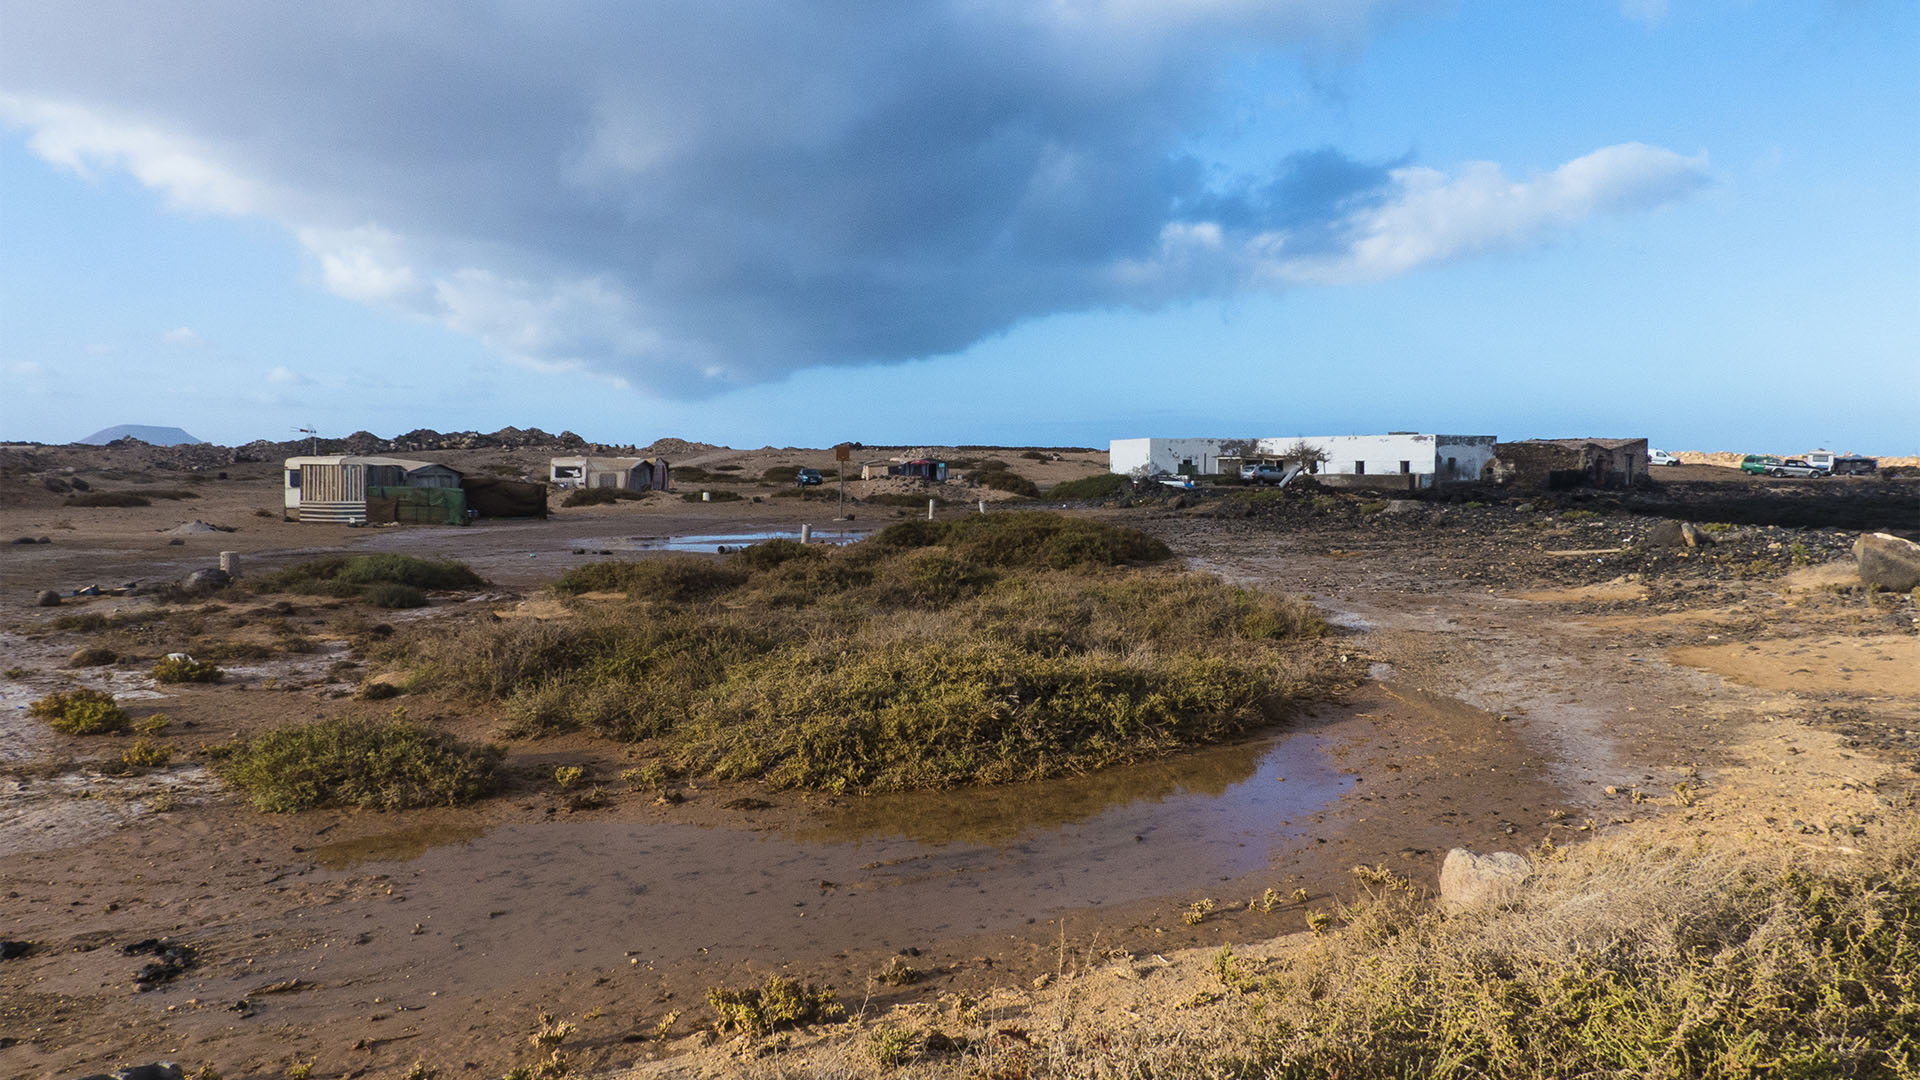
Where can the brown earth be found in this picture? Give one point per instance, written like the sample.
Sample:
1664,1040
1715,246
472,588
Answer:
1519,693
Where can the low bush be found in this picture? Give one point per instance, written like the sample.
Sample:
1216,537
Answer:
600,496
781,474
175,494
392,595
181,669
390,764
1029,538
354,576
711,496
1007,480
107,498
146,753
677,578
780,1003
1103,486
80,712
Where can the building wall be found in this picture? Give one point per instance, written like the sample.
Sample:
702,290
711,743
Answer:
1417,455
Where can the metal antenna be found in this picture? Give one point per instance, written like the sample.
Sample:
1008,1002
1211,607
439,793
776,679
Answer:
315,433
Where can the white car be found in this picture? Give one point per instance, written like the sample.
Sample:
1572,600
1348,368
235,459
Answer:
1661,457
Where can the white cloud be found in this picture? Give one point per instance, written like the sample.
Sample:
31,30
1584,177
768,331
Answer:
183,337
366,263
86,139
281,375
25,369
1432,217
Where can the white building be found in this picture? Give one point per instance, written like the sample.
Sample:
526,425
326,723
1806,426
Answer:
1423,459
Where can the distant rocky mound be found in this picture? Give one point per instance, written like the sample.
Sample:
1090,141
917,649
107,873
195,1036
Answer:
152,436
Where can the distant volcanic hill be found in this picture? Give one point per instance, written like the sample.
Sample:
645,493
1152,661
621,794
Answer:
152,436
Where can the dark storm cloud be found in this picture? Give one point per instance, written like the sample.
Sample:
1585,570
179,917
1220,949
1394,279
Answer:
702,195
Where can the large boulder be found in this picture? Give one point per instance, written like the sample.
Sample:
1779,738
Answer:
207,580
1672,533
1887,561
1469,879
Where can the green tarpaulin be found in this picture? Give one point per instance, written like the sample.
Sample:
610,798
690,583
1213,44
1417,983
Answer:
416,505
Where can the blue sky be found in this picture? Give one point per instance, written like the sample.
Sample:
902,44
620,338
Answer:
977,221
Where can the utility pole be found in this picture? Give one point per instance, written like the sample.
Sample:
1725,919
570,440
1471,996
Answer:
315,433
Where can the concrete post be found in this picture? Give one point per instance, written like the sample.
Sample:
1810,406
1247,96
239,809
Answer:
806,533
929,509
230,562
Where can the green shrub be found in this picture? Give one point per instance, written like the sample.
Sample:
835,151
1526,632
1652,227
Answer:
1028,538
372,764
781,1003
1003,479
80,712
392,595
1580,515
179,669
677,578
771,553
711,496
350,576
1103,486
146,753
107,498
600,496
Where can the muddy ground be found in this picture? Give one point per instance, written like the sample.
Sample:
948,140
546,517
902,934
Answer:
1539,669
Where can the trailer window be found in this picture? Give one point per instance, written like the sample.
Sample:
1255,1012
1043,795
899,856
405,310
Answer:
293,479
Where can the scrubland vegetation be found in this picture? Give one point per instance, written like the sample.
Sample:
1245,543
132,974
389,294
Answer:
984,649
1103,486
389,764
1641,960
388,581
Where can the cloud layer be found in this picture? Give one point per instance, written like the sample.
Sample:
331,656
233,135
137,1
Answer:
691,197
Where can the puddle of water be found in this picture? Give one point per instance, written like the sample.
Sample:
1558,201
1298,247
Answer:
882,872
712,542
401,844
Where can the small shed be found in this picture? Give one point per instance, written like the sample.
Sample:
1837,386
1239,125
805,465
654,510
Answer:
631,473
336,488
927,469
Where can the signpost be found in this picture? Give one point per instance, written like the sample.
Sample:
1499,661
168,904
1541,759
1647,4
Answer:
843,454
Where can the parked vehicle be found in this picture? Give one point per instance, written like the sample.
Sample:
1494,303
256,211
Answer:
808,477
1263,473
1794,466
1661,457
1854,465
1819,459
1758,463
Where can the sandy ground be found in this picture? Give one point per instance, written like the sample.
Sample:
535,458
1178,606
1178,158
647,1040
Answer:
1499,714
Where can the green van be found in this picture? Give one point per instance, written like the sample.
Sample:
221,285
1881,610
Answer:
1758,464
